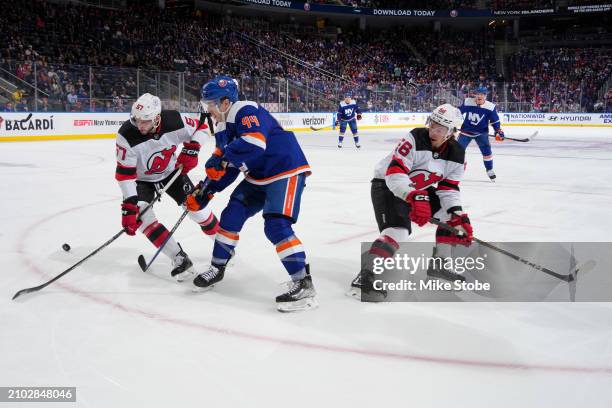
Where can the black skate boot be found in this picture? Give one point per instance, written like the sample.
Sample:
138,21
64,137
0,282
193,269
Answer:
362,287
300,296
437,270
182,266
207,279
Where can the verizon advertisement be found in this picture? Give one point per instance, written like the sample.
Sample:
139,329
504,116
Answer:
24,126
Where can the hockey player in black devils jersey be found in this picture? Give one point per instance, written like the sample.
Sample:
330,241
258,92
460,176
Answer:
420,178
146,161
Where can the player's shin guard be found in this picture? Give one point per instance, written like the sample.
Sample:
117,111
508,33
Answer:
288,247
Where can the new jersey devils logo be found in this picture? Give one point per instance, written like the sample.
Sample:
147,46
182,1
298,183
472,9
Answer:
422,179
158,162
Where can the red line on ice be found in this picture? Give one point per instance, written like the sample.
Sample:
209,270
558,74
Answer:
278,340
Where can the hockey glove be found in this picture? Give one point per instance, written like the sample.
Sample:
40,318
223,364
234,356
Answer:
499,135
188,157
421,210
197,201
462,223
215,166
359,116
129,215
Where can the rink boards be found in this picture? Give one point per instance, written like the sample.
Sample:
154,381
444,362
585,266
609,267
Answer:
26,126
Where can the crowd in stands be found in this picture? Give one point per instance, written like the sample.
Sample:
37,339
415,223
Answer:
96,68
561,79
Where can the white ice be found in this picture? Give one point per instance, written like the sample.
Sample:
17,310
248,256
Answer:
129,339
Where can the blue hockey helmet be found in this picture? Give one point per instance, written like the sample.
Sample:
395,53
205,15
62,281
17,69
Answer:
348,94
481,90
218,88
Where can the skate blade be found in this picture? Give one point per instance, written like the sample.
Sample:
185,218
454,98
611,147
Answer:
298,306
183,276
354,293
197,289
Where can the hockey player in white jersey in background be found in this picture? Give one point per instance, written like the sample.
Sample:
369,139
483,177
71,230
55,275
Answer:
146,146
478,115
417,180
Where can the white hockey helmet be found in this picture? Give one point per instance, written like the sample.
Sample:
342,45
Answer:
147,107
448,116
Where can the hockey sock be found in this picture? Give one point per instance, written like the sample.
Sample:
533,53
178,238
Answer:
288,247
225,242
356,139
157,234
383,247
340,138
488,162
210,226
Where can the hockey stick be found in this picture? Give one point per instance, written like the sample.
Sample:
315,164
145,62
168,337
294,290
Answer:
567,278
320,128
107,243
527,139
516,139
141,259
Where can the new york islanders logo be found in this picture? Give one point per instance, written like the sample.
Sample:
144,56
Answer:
222,83
158,161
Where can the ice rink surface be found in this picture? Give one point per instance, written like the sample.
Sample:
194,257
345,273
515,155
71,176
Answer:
129,339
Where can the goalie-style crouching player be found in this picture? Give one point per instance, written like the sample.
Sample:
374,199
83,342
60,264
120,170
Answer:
419,178
146,146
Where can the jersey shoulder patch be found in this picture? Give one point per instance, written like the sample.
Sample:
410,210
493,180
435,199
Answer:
421,138
170,121
131,134
453,152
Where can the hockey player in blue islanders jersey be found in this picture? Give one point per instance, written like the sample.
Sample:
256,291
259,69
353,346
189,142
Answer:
250,141
478,114
348,113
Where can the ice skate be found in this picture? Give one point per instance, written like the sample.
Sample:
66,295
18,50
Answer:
207,280
491,175
182,267
299,297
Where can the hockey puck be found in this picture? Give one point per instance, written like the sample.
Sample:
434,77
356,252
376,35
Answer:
66,247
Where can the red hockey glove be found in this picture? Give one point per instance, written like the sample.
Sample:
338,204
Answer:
462,223
129,215
215,166
499,135
359,116
421,210
188,157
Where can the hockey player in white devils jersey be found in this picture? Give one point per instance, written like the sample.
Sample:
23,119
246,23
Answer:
419,178
146,162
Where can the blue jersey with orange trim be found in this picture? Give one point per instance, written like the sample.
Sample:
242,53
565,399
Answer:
348,111
477,118
252,140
